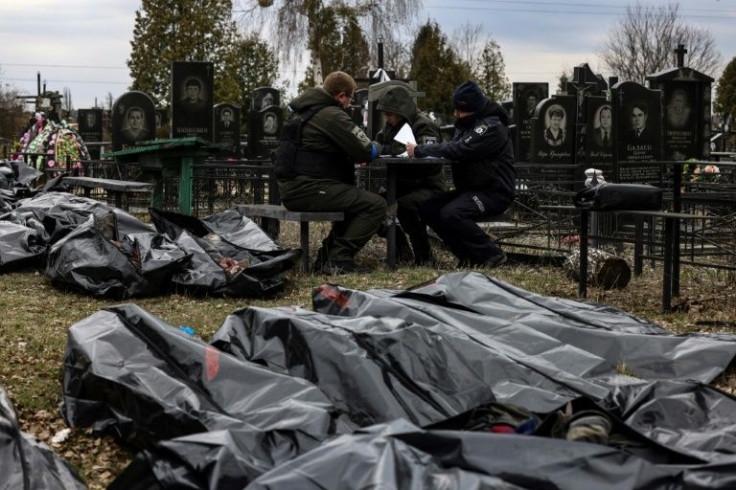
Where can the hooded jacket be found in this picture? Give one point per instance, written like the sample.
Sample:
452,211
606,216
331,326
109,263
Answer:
399,101
482,151
330,142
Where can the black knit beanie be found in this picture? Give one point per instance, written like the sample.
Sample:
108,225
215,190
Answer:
468,97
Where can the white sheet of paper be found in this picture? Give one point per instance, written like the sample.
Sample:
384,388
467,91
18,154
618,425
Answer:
405,135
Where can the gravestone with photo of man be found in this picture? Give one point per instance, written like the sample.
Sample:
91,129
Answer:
89,124
637,112
526,96
192,91
133,120
687,110
600,134
227,128
265,119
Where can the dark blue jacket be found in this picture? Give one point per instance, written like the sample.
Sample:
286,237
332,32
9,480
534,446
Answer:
482,151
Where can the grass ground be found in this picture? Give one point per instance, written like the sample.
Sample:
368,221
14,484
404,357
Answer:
35,318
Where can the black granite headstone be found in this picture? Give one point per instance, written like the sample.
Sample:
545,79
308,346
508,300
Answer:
227,128
89,123
553,131
133,120
638,116
600,134
687,115
192,86
264,97
359,108
265,131
526,96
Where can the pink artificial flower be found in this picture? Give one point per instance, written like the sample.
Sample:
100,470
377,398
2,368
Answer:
51,163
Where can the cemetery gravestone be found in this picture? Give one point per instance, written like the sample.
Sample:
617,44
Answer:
89,123
553,131
526,96
265,119
227,128
687,100
359,108
133,120
600,134
191,99
638,116
265,131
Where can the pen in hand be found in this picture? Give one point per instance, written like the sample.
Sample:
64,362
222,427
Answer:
410,149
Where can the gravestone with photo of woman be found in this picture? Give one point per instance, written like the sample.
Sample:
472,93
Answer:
133,120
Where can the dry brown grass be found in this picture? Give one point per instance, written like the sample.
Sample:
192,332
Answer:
36,318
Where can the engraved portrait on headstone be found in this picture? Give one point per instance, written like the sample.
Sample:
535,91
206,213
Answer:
678,109
555,122
90,129
133,119
637,113
600,133
602,126
687,112
227,127
526,96
191,99
552,138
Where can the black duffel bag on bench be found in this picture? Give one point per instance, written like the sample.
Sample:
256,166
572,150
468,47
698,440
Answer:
615,197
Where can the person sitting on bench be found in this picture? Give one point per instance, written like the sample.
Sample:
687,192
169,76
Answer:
315,171
414,185
483,173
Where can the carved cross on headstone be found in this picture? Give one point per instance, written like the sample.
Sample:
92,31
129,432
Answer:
580,88
680,53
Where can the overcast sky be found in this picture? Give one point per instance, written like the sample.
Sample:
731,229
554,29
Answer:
84,44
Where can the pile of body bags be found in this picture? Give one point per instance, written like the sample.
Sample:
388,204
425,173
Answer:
465,382
95,249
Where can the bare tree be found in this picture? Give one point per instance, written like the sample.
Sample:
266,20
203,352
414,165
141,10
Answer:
643,41
67,100
467,43
295,24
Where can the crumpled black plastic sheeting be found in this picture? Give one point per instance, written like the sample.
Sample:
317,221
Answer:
61,213
381,367
399,455
20,246
617,338
261,275
129,373
692,418
235,227
27,463
105,263
219,460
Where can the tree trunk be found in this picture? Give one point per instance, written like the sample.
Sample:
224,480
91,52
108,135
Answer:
605,270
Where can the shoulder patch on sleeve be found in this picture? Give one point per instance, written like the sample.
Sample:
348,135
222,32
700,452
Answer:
360,135
481,128
428,140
